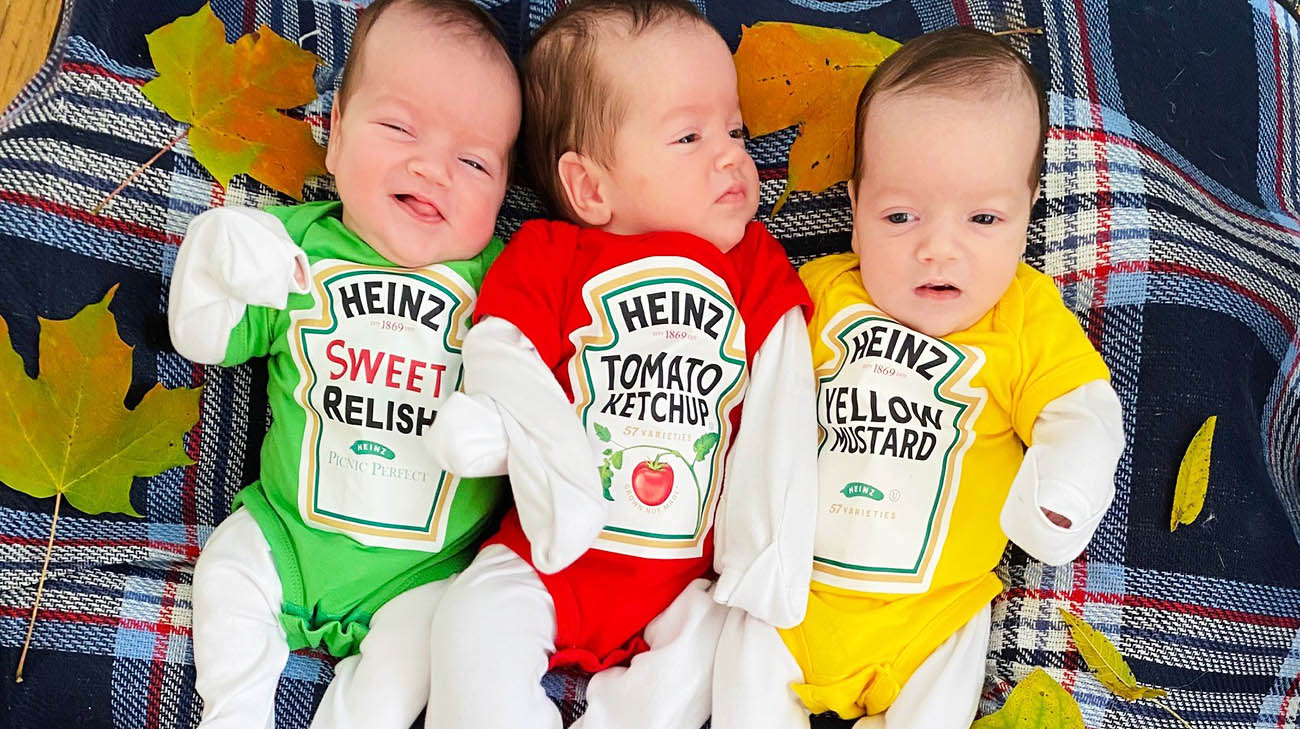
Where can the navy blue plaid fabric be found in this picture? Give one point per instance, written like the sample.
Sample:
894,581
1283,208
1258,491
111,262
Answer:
1170,218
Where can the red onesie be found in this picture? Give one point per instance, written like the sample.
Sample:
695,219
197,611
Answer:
651,337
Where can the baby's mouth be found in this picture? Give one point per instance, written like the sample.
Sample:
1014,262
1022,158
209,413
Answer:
937,291
733,194
419,208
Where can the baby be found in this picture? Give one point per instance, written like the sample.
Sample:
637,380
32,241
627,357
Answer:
617,349
939,357
346,541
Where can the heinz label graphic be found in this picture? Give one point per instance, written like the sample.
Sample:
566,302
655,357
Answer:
655,377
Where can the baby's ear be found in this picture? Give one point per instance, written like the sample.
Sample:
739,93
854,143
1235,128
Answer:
853,207
331,144
583,181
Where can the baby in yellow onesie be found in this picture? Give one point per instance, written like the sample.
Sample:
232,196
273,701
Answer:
959,403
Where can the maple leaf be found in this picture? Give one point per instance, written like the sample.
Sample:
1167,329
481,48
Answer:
801,74
1037,702
1193,476
67,434
231,94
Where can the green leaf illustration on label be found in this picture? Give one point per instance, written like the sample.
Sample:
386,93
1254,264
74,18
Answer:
857,488
606,477
371,448
652,479
704,444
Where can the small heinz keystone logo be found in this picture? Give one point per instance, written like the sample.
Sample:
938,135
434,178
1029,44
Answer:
371,448
857,488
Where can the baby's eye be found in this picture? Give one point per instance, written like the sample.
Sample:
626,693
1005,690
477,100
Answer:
474,163
984,218
394,127
899,218
688,138
741,133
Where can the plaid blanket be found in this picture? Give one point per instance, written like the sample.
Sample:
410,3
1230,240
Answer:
1170,218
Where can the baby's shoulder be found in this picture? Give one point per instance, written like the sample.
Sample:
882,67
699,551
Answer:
824,274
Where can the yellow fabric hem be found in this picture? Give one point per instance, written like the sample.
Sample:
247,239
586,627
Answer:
872,687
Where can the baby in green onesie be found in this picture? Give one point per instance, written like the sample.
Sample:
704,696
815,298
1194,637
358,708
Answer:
346,541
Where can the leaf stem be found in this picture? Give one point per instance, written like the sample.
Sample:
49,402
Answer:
40,588
1172,713
138,171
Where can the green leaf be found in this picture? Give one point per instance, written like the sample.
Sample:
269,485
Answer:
1193,476
1105,660
1037,702
606,478
68,432
616,459
704,444
601,432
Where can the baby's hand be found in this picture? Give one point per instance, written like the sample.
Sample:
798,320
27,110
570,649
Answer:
300,274
1057,519
247,255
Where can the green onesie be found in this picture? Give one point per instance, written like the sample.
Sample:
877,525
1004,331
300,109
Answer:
350,499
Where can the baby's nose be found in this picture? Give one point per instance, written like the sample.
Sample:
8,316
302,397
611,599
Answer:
937,246
730,154
425,168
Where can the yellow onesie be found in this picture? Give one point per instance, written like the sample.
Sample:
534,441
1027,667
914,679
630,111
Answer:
920,438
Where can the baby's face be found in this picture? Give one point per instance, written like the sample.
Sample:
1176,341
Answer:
420,148
679,159
940,215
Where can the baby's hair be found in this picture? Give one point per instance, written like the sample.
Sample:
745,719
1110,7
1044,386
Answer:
960,61
569,104
459,15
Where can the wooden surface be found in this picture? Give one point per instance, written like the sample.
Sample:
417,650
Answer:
26,27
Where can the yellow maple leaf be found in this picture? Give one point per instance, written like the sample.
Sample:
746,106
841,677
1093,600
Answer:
67,434
801,74
231,94
1193,476
1037,702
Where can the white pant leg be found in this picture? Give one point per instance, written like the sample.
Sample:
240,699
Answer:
670,685
239,647
752,676
385,685
944,692
492,636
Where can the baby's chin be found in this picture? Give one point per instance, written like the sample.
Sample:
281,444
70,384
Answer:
726,236
939,327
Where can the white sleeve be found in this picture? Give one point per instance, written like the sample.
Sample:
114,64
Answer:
1070,469
468,437
230,258
511,399
765,523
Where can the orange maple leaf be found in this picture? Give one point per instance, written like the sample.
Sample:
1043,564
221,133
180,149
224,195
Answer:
231,94
802,74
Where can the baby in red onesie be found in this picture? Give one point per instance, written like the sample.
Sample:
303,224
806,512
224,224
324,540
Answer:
617,348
